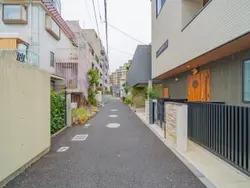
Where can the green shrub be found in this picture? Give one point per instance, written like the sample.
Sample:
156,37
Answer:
152,94
128,100
91,96
57,111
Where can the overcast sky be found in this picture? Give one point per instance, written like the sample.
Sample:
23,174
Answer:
130,16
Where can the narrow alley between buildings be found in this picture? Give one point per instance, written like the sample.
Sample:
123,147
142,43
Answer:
114,150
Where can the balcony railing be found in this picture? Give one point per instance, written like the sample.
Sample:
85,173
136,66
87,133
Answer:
23,56
69,55
69,71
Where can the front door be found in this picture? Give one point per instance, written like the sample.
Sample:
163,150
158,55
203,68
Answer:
199,86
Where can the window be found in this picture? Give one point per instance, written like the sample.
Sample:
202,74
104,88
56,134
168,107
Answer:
15,14
190,9
159,5
246,81
52,59
57,5
52,27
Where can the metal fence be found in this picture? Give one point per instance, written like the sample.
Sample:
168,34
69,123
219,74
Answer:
222,129
159,110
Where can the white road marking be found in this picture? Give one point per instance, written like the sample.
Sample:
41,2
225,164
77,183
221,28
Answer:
63,149
80,137
113,116
87,125
113,125
113,110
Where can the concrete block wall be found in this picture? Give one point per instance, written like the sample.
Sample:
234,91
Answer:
24,115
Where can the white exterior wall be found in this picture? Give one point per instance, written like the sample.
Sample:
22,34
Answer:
42,41
219,22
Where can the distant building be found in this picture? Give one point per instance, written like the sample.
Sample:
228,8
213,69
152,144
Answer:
99,56
118,78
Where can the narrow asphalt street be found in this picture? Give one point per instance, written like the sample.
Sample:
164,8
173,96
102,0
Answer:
129,156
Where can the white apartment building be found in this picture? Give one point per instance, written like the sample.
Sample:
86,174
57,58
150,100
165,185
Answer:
36,28
99,59
201,49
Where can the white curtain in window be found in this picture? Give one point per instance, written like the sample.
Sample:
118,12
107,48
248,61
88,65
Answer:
12,12
247,81
24,13
55,28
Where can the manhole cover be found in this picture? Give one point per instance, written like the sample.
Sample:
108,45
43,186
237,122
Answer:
63,149
113,125
80,137
113,116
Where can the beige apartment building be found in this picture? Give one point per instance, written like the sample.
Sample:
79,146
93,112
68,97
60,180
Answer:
117,79
201,49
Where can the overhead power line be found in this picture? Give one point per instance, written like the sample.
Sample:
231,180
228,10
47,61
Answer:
88,12
98,31
120,50
99,10
125,33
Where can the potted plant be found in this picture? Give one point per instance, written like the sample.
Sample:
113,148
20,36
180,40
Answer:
75,116
83,116
94,109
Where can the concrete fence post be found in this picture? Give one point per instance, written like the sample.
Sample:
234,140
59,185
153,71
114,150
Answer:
182,128
69,110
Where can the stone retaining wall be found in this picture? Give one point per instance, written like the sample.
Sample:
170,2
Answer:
171,117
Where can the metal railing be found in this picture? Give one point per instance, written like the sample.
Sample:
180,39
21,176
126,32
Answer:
69,71
23,56
159,109
222,129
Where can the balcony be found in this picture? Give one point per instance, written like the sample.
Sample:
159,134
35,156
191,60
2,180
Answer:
67,66
191,9
69,71
217,26
21,55
67,55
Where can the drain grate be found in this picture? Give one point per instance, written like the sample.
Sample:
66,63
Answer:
63,149
80,137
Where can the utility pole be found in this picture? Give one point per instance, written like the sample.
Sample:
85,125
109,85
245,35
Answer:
106,25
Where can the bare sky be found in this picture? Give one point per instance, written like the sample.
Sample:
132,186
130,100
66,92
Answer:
130,16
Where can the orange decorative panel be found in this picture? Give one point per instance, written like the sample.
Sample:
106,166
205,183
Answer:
165,93
8,43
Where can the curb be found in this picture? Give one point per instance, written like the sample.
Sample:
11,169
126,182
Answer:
58,132
190,166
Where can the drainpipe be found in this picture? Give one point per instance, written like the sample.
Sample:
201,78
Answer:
65,113
30,22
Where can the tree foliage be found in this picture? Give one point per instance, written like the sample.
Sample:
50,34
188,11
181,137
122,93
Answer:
57,111
93,80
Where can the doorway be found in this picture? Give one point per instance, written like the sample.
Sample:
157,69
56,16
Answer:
199,86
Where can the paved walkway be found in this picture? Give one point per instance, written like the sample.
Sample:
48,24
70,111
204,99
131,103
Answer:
129,156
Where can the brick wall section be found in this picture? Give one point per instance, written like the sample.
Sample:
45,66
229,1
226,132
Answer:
170,117
147,110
